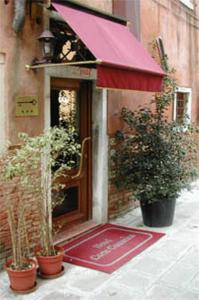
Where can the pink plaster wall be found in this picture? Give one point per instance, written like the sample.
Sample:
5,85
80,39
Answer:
104,5
169,19
20,49
177,27
119,99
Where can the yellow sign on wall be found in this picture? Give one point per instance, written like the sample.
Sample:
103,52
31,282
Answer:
27,106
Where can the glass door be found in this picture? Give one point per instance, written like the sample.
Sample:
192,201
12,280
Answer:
71,105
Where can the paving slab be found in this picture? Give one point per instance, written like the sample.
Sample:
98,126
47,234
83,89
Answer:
161,292
167,270
115,291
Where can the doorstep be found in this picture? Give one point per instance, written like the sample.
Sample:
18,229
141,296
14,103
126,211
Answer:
69,233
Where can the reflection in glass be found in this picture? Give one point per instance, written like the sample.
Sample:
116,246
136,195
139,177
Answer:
70,202
68,110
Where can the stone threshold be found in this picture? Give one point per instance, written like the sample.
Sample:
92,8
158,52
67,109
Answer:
70,233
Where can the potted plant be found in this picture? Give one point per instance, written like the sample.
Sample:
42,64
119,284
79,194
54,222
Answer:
21,268
154,158
2,253
51,155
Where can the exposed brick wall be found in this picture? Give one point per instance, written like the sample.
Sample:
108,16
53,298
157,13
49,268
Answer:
119,201
10,193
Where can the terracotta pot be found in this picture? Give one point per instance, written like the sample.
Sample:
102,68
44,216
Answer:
22,280
51,265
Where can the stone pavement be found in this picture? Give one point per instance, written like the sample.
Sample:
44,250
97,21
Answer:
169,269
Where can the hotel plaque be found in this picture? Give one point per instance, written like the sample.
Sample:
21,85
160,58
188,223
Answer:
27,106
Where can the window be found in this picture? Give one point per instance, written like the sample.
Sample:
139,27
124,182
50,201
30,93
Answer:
188,3
182,105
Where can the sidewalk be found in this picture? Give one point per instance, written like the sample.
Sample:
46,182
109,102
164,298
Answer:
169,269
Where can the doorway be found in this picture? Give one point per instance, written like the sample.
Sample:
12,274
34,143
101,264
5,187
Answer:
70,103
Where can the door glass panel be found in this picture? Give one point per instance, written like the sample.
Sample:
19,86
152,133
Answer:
70,202
65,111
68,109
65,108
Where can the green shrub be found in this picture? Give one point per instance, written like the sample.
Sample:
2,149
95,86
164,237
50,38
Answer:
154,158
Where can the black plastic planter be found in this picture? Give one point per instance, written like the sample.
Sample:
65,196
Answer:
158,213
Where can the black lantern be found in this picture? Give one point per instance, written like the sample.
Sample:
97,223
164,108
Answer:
47,44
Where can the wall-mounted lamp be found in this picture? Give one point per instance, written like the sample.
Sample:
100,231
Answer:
46,40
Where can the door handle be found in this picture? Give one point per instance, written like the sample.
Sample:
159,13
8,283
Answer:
80,171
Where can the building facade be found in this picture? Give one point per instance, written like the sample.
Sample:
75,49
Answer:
35,95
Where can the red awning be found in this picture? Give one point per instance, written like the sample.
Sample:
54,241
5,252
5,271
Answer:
125,64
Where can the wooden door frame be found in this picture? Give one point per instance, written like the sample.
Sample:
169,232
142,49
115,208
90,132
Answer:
83,183
99,134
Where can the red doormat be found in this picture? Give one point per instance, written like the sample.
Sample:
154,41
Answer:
108,247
